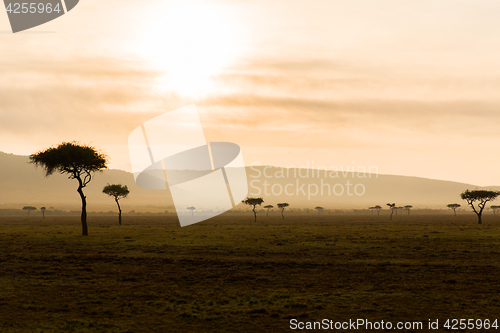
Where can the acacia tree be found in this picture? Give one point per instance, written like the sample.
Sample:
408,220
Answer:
378,208
481,197
29,208
454,206
495,209
282,206
192,208
118,192
253,202
268,207
43,211
78,161
408,207
392,207
319,209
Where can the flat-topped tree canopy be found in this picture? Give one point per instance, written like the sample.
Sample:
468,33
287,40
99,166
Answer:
71,158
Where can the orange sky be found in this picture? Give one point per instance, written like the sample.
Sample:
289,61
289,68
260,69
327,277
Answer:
410,87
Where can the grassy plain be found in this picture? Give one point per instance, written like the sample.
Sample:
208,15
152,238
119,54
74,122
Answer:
230,274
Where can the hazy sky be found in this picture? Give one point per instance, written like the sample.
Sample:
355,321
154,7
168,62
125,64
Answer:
411,87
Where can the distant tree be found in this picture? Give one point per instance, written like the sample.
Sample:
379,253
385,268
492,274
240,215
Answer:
408,207
43,211
78,161
268,207
392,207
481,197
192,210
372,209
319,209
495,209
378,208
253,202
118,192
282,206
454,206
29,208
400,210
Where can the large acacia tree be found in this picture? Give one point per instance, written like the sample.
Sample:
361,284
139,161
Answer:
253,202
481,197
118,192
392,207
78,161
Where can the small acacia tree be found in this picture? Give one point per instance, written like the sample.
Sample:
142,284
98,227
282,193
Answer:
408,207
118,192
454,206
495,208
253,202
268,207
392,207
43,211
78,161
319,209
192,208
481,197
378,208
282,206
29,208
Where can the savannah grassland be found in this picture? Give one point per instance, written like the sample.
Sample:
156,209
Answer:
230,274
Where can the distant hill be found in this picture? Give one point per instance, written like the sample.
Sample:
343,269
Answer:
22,184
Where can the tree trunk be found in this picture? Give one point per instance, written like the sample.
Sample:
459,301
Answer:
408,212
392,212
119,212
455,212
479,221
254,214
283,216
85,231
267,212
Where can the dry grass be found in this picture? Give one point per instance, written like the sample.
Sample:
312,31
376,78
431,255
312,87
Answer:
232,275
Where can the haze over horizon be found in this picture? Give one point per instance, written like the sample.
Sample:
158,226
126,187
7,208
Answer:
408,87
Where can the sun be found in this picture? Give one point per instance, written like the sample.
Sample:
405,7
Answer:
189,42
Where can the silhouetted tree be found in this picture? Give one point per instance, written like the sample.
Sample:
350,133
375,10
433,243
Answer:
43,211
78,161
319,209
495,209
253,202
454,206
378,208
29,208
392,207
408,207
372,209
282,206
118,192
268,207
192,210
482,197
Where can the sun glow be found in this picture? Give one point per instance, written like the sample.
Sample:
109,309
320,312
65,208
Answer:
189,42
